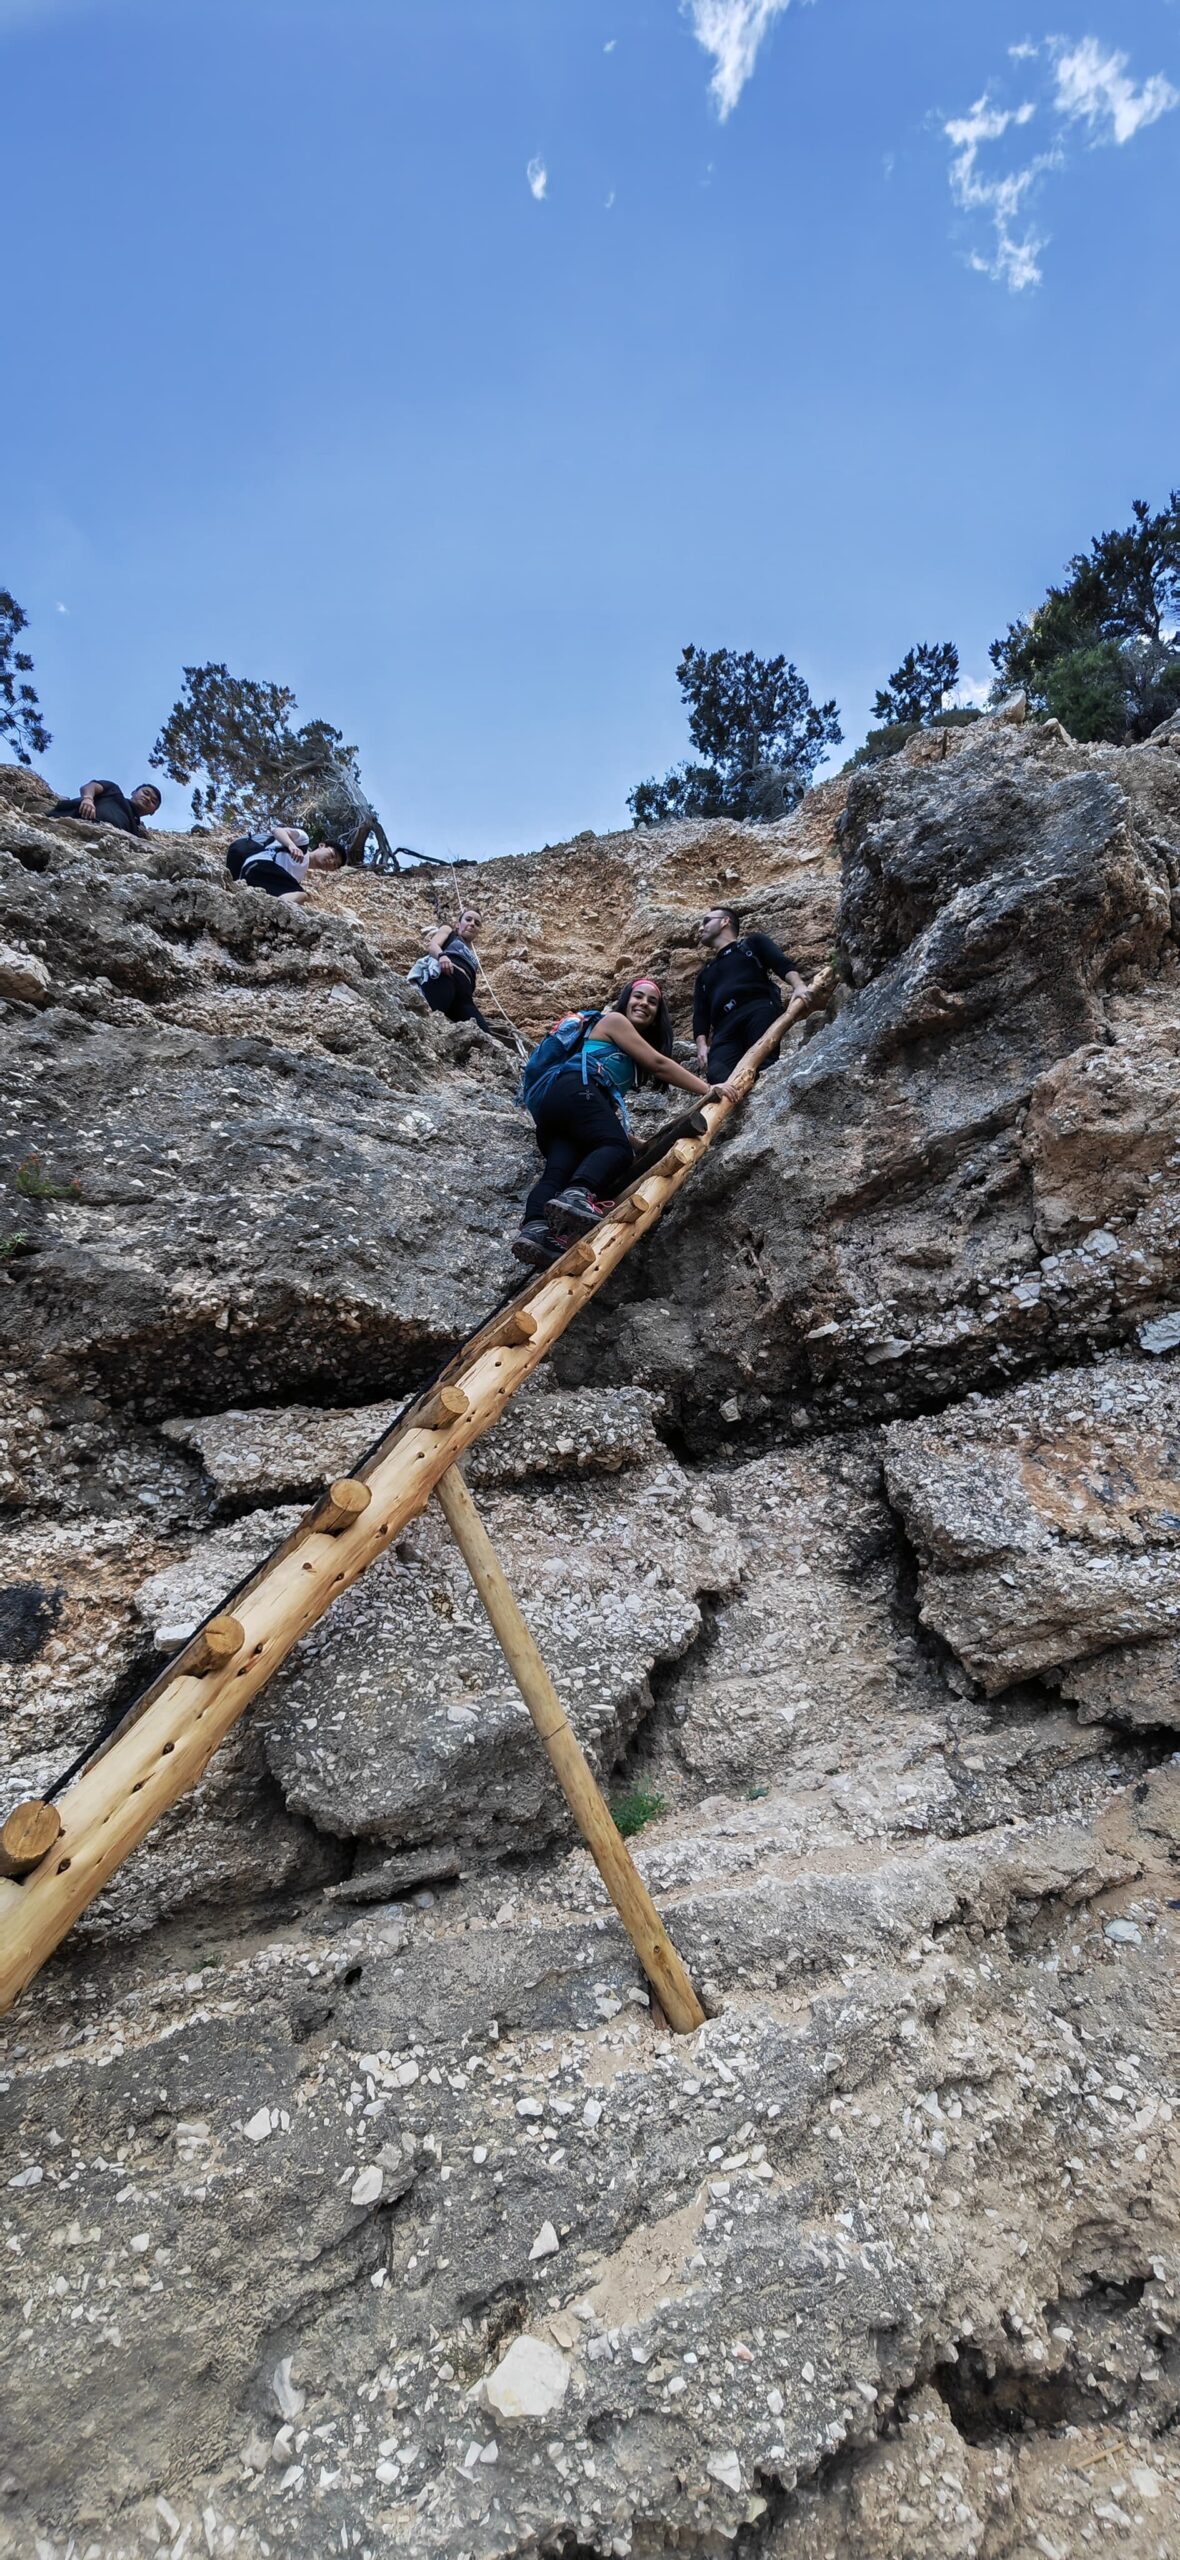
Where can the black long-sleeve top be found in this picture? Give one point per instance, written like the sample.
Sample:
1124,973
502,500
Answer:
736,975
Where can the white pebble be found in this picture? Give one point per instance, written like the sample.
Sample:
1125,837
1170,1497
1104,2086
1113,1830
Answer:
530,2381
726,2468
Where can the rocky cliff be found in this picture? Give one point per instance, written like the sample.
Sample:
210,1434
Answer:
354,2201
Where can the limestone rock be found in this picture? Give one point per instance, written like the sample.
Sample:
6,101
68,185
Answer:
23,978
1047,1521
298,1449
869,1239
175,1600
531,2381
351,2076
397,1719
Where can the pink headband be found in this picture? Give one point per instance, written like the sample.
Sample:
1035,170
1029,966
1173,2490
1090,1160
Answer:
653,983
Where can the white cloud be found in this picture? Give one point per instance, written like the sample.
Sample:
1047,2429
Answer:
732,32
1092,87
1014,260
61,608
538,178
1088,87
609,48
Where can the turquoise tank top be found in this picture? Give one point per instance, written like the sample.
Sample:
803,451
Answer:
613,1063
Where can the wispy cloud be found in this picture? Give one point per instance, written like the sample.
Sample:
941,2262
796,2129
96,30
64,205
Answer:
732,32
538,178
1092,87
1014,259
1087,86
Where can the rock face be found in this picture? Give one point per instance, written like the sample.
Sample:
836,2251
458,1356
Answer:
355,2199
399,1721
904,1217
565,926
1048,1525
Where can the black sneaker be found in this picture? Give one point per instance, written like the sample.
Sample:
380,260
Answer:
575,1211
536,1245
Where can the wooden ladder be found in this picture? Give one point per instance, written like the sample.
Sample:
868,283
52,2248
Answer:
54,1858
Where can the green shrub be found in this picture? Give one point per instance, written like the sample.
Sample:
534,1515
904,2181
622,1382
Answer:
631,1811
34,1183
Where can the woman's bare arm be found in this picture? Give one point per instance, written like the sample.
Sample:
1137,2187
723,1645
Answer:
616,1027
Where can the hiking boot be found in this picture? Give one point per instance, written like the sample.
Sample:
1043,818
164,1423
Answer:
536,1245
575,1211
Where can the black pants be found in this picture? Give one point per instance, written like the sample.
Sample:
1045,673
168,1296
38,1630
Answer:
738,1033
582,1139
454,996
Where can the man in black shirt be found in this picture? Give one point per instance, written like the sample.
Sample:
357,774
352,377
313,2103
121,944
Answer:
735,999
106,806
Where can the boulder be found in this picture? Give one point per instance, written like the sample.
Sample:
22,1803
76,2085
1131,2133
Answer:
1047,1523
397,1719
868,1239
24,979
295,1450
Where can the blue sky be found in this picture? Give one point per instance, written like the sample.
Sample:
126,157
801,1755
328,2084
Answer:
456,361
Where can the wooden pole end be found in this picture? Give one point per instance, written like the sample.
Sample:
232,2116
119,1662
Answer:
520,1326
446,1406
29,1833
215,1646
343,1505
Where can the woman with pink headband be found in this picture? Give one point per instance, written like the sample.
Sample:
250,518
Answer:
580,1112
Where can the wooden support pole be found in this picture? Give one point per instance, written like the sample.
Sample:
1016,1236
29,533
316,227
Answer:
27,1836
344,1503
657,1955
169,1736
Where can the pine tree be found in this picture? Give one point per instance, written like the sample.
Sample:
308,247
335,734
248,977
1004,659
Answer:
21,725
918,687
231,736
753,722
1101,650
